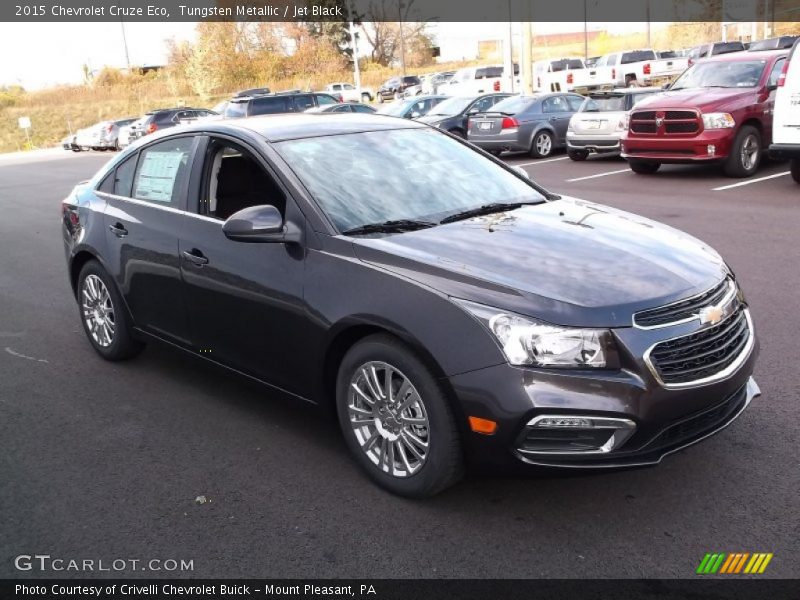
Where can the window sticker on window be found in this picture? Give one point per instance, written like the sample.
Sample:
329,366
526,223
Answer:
157,176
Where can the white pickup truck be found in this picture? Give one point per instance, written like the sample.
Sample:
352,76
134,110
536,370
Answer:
473,81
635,68
347,92
570,75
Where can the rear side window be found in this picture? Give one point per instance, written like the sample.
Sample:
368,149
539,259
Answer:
637,56
162,172
267,106
555,104
124,177
303,102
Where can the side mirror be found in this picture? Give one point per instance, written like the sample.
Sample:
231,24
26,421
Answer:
262,223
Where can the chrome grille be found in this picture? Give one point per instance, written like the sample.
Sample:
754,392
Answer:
703,355
683,310
664,122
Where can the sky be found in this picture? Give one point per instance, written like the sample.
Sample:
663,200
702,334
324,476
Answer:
68,47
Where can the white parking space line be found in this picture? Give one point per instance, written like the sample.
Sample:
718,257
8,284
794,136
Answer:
749,181
540,162
600,175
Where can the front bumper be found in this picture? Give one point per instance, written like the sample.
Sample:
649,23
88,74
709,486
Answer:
666,420
784,151
678,149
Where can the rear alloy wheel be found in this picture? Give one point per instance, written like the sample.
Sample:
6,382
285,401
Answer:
643,168
795,169
578,155
104,317
745,154
542,145
396,419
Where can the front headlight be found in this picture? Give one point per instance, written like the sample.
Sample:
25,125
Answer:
718,121
525,341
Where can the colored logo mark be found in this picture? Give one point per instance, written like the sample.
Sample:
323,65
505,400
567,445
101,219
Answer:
734,563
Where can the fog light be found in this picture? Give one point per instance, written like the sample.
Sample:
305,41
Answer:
563,422
711,149
573,435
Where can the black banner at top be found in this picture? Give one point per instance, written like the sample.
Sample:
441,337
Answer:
731,11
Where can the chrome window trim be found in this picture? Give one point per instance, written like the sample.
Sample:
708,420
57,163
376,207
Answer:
171,209
623,429
721,376
726,300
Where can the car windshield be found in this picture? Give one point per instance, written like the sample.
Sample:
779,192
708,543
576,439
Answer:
513,104
422,174
603,104
725,74
451,107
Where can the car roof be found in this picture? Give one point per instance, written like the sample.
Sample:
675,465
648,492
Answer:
277,128
747,56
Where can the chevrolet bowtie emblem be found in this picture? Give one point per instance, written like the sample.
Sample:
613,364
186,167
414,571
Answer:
711,314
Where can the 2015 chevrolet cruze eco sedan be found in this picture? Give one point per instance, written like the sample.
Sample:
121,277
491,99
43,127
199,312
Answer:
450,309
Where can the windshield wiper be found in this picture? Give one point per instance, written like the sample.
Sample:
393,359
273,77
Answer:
486,209
389,227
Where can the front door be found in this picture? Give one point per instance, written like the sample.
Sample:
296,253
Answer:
245,300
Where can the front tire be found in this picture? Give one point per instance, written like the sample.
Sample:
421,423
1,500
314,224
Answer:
643,168
365,98
578,155
794,167
745,154
104,316
542,145
396,419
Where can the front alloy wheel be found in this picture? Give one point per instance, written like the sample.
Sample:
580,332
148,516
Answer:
388,418
542,144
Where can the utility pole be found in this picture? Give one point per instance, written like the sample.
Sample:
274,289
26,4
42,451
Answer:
526,67
354,46
508,54
125,44
585,30
400,7
649,43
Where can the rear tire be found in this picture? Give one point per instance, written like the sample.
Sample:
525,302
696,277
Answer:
794,167
542,145
104,316
745,154
385,441
365,98
578,155
643,168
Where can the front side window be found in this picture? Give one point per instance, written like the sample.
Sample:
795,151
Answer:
347,86
162,171
422,174
303,102
124,176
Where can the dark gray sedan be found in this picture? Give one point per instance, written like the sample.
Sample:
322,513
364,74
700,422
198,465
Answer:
536,124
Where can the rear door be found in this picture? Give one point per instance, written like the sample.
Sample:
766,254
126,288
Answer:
145,212
558,112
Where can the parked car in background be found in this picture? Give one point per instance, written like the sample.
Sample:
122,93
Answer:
394,87
127,133
535,124
164,118
451,115
568,75
433,84
714,49
783,42
471,81
347,92
252,92
344,107
642,68
102,136
411,108
68,143
445,307
786,117
272,104
598,126
718,111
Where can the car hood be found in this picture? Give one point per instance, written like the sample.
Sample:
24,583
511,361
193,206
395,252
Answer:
704,99
568,262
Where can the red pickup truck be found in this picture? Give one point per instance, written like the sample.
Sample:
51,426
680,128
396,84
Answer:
718,111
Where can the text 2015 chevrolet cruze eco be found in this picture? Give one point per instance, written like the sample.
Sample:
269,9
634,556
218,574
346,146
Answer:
452,310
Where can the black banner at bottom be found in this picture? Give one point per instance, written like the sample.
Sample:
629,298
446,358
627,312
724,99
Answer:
403,589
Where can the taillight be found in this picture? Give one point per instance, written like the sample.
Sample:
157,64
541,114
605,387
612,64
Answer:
151,128
646,69
496,86
690,62
509,123
570,78
782,76
110,127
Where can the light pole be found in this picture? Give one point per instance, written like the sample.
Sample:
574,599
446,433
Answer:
354,46
400,7
125,44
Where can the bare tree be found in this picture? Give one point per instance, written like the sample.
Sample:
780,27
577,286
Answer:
383,34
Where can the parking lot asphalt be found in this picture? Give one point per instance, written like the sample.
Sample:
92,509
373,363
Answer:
105,461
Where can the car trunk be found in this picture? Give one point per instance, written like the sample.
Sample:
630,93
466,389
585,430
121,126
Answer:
597,123
487,124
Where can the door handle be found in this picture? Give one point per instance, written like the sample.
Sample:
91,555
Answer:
195,257
118,230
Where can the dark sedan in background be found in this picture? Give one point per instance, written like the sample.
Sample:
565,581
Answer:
462,313
536,124
451,115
